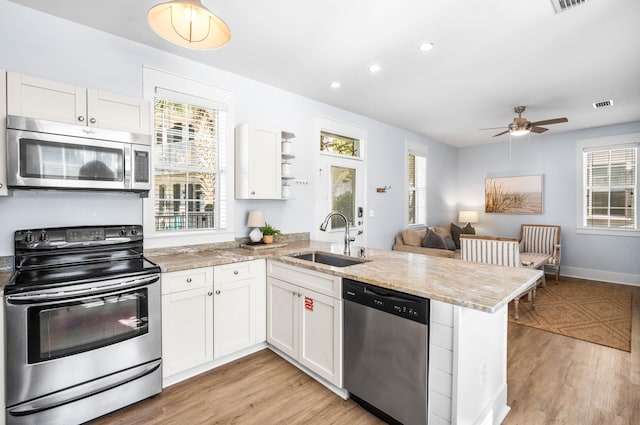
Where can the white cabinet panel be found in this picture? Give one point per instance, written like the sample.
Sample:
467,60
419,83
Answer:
3,135
239,306
187,330
258,163
282,316
54,101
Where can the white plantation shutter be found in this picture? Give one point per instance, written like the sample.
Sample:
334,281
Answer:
417,188
610,187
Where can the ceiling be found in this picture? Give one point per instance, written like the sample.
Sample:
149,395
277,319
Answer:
489,57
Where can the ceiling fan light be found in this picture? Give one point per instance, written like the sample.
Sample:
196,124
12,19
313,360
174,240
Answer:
517,130
187,23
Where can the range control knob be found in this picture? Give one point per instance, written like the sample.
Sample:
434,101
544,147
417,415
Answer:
123,232
43,236
29,237
134,232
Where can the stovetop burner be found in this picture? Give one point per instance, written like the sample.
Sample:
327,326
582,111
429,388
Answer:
69,255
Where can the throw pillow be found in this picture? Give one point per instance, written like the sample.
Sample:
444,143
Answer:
456,231
451,245
413,237
433,240
443,231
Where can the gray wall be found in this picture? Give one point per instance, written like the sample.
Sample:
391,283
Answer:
44,46
613,258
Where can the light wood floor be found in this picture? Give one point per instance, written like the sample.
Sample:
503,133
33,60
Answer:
552,379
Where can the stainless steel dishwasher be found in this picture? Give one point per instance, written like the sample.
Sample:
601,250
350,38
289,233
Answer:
386,339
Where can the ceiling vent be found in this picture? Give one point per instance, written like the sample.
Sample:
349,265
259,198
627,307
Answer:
603,104
562,5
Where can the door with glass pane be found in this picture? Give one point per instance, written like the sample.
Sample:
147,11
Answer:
341,181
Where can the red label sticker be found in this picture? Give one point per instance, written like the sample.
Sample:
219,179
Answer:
308,303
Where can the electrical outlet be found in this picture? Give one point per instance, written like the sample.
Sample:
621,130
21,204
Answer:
372,213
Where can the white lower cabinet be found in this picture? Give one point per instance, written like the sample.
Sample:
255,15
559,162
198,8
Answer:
187,319
306,324
239,305
209,313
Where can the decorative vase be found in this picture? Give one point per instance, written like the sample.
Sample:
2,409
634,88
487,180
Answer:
255,235
267,238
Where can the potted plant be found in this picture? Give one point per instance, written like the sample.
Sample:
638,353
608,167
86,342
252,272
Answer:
268,232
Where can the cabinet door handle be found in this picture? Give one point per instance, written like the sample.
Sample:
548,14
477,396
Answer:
253,192
210,293
188,280
218,292
299,294
92,120
80,118
235,272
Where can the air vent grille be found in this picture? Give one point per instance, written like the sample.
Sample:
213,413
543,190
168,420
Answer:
562,5
603,104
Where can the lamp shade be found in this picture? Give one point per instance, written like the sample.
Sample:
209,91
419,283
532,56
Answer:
188,23
255,219
468,217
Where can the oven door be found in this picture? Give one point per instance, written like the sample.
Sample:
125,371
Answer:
41,160
63,338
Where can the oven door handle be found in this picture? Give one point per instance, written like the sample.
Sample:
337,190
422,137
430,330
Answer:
56,295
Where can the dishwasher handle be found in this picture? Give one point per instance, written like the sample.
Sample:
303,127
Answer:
393,302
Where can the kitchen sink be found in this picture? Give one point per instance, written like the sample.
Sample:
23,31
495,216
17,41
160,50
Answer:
329,259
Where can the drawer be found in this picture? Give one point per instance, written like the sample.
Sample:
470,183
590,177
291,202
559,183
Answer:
238,271
185,280
309,279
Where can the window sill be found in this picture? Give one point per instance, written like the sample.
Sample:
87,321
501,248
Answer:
184,238
607,232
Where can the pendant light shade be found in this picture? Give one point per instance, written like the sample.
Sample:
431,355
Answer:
188,23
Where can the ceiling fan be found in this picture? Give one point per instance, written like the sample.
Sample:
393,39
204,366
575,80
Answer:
521,126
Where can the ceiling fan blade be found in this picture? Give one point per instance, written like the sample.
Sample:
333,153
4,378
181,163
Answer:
538,129
500,134
552,121
492,128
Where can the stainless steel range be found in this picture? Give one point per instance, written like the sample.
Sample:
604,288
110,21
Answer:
83,333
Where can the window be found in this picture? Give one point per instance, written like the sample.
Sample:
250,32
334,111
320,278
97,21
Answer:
192,133
186,161
339,145
609,182
417,188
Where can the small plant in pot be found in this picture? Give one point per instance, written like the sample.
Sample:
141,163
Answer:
268,232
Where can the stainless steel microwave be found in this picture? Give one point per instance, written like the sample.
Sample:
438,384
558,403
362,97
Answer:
50,155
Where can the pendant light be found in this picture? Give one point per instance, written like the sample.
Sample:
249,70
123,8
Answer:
188,23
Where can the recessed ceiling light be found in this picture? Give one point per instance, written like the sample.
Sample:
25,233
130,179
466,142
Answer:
335,84
374,68
424,47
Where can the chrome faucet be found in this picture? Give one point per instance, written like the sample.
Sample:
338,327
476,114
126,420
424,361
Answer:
347,238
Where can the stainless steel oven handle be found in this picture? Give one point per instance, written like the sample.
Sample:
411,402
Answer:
53,295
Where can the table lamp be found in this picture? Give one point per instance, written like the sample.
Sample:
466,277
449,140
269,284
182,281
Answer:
256,220
468,217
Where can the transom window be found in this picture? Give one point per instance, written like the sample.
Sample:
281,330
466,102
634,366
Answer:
339,145
186,158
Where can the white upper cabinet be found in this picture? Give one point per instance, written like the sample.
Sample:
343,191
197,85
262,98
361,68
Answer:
53,101
258,162
3,134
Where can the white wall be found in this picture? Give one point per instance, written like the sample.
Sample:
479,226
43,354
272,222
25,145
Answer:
44,46
612,258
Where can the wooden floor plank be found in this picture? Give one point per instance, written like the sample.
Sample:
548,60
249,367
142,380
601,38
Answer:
552,380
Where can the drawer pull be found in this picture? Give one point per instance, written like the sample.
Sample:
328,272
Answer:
235,272
188,280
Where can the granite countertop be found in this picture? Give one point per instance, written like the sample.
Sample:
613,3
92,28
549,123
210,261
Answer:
473,285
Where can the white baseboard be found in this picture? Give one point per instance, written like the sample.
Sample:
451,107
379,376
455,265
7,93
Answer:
601,275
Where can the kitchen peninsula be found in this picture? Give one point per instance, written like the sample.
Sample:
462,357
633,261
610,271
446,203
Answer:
468,319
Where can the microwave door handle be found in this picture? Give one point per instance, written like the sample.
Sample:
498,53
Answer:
42,298
128,167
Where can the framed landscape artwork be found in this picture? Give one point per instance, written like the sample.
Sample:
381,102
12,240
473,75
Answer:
513,195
